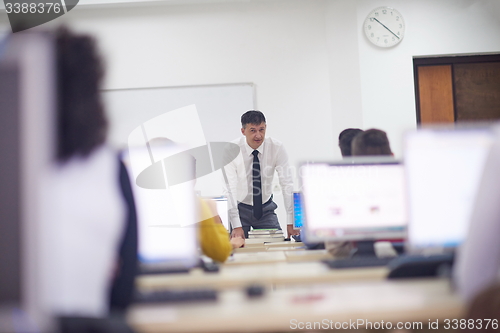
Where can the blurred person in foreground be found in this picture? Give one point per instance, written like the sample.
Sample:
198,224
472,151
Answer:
88,201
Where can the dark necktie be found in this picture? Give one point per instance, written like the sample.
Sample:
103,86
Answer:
257,188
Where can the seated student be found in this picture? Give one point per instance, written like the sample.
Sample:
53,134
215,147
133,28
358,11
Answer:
88,209
345,140
372,142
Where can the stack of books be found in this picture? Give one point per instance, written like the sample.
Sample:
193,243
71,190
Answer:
265,236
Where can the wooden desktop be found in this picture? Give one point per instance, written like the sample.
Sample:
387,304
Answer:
297,293
418,302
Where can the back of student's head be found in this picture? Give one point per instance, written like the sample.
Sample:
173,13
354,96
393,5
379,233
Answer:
371,142
81,121
345,140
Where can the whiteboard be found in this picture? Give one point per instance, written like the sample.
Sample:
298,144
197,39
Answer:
219,109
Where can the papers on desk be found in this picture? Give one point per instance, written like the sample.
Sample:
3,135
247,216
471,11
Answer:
265,236
256,257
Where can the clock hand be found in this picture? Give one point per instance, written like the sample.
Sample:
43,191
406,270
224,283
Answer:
386,27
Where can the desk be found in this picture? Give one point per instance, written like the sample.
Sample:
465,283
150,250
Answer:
276,274
271,266
277,246
276,253
279,310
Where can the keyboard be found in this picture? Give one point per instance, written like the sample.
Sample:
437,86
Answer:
361,261
411,266
176,296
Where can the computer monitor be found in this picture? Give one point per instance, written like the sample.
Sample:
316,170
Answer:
298,214
443,167
222,209
221,205
354,200
166,214
27,118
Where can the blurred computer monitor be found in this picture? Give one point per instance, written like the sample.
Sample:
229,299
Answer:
358,199
443,167
221,205
167,208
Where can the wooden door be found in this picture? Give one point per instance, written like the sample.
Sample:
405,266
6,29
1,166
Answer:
456,89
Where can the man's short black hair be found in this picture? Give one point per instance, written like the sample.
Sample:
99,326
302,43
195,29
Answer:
345,140
252,117
371,142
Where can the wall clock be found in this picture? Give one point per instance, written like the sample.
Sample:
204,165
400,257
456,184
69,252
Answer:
384,27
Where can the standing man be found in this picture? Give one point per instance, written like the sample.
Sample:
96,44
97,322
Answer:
249,179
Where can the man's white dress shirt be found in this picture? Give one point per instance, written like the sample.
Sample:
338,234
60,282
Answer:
238,184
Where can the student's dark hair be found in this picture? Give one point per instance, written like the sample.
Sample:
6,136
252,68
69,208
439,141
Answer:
81,122
485,303
345,140
371,142
252,117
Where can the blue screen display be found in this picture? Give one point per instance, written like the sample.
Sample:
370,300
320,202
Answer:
297,210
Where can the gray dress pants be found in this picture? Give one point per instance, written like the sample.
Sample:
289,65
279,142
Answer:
268,220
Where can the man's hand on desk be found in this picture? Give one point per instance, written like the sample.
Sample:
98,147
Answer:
291,231
238,232
237,242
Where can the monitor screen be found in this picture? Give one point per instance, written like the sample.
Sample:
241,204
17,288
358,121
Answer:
27,118
361,199
298,217
166,214
443,167
221,204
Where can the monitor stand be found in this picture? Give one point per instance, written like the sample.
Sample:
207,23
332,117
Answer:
412,266
365,249
364,256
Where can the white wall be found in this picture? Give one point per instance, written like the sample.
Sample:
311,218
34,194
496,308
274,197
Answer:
343,59
279,46
433,27
314,70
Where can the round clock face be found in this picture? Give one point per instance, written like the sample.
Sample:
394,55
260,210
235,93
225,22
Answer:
384,27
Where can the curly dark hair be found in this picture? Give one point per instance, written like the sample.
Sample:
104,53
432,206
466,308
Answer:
252,117
81,121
